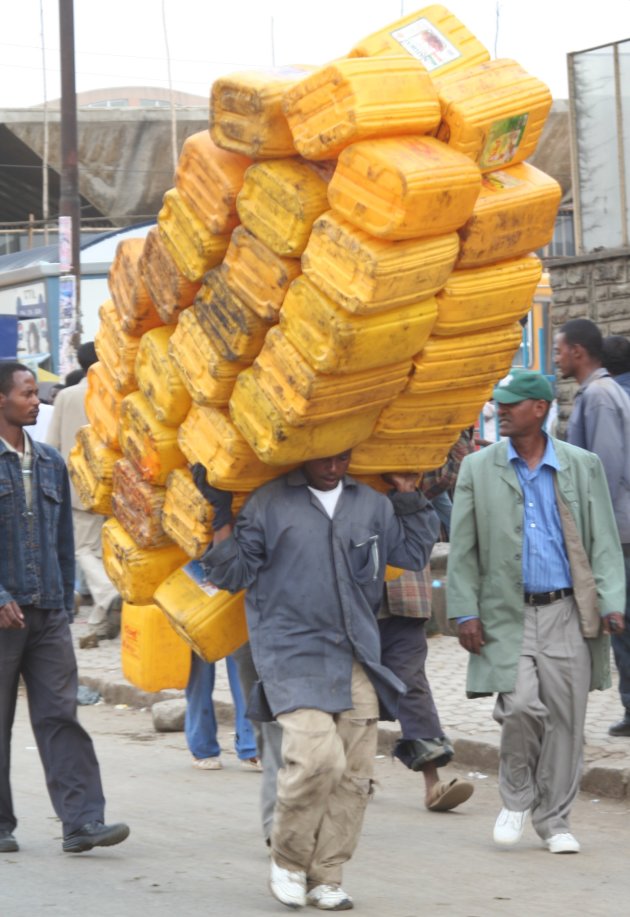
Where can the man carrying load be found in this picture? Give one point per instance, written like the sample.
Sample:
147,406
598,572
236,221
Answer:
311,549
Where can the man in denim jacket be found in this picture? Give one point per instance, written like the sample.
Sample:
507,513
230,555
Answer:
36,589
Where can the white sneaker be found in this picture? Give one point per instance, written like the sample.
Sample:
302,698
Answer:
509,827
562,843
330,898
287,886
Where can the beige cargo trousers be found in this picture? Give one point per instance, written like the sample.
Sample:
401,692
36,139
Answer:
324,784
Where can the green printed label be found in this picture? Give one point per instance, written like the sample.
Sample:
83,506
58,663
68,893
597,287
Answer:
502,142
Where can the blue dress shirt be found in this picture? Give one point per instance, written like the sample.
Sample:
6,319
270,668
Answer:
545,561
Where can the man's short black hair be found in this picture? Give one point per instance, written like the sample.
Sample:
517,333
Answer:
73,377
86,355
585,333
7,371
616,354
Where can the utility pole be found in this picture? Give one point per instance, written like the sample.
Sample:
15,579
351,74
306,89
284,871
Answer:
69,200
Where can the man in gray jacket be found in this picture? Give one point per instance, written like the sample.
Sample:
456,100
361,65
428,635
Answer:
311,549
600,422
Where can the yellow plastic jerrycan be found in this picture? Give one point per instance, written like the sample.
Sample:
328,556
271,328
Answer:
91,466
169,289
208,376
159,379
145,441
116,349
336,341
280,200
432,35
432,413
210,437
513,215
258,276
404,187
235,331
187,516
138,506
485,297
209,178
153,655
102,405
136,572
477,358
356,98
210,620
193,247
365,274
128,291
494,113
378,455
276,442
246,112
303,395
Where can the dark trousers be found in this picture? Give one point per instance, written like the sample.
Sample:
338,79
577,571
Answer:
404,651
621,644
43,654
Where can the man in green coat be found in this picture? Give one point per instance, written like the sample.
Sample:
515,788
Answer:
536,583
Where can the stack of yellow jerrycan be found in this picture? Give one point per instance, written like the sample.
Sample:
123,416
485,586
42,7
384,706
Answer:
246,112
169,288
159,379
342,263
116,349
138,505
91,466
128,291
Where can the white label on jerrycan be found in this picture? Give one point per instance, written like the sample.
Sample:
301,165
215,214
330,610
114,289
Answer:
195,571
423,41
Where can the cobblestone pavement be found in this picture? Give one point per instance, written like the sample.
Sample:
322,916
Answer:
468,723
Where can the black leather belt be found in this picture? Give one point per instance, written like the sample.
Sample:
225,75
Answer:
546,598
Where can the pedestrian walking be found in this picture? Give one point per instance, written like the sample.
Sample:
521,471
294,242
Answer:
67,419
600,422
200,723
406,607
36,600
536,582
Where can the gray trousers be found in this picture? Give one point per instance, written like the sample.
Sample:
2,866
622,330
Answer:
543,718
268,741
43,654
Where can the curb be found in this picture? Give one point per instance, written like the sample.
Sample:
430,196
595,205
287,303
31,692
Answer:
599,777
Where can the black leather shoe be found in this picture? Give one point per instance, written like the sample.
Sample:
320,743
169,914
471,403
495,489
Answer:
8,843
622,728
95,834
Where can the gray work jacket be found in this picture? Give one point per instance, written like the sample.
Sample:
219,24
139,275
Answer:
314,586
600,422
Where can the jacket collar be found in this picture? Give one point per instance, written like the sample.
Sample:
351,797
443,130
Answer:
507,472
36,447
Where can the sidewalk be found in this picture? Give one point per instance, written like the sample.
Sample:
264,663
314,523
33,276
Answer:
468,723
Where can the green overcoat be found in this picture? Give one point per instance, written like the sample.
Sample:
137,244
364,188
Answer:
485,574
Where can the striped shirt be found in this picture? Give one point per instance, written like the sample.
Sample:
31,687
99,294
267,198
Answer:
545,561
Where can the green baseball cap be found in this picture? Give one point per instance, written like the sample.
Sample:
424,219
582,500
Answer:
519,386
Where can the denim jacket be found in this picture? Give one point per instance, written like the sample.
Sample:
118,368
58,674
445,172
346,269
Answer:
37,549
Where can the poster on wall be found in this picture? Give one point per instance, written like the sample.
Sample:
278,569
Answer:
67,323
27,311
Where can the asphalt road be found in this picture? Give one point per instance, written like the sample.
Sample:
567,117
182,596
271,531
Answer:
195,844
